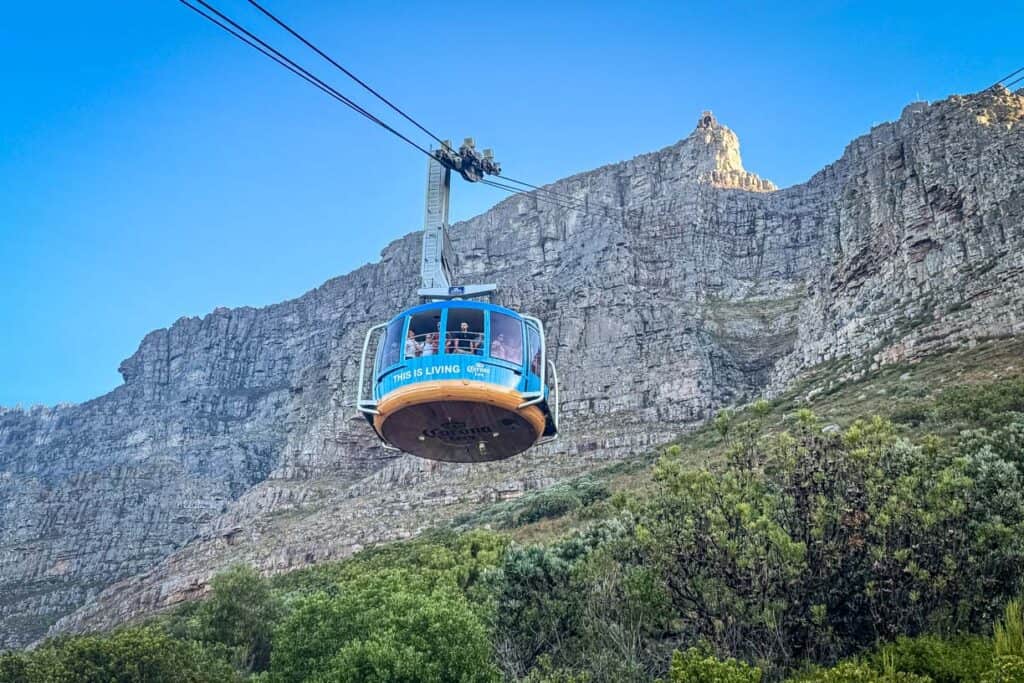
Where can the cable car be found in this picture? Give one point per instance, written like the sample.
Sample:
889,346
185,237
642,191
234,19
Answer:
455,379
461,381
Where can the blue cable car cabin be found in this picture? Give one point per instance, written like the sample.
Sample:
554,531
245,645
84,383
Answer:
461,381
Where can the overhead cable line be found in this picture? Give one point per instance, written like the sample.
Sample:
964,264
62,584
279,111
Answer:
270,15
544,190
244,35
561,200
308,43
518,190
1009,76
926,122
256,43
579,205
550,200
566,200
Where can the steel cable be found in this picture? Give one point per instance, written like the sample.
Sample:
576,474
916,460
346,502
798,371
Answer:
256,43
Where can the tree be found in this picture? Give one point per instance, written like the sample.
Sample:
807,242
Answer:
813,546
240,613
694,665
536,610
391,625
131,655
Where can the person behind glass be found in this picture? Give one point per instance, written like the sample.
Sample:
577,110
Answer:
412,347
391,352
514,349
498,348
463,341
430,344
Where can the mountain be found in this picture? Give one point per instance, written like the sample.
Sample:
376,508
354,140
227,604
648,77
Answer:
687,284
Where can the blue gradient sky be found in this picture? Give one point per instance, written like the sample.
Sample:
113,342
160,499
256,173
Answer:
151,167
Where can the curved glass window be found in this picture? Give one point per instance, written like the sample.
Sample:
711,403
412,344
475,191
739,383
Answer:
465,331
533,348
506,338
391,347
424,335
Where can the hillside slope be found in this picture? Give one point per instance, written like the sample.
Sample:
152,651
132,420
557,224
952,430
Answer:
232,438
876,521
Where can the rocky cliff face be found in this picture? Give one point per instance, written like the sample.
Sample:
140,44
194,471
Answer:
686,284
924,246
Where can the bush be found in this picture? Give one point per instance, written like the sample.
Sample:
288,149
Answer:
15,667
857,672
142,655
984,405
808,546
695,666
239,614
554,502
537,610
1005,670
459,557
944,660
913,414
386,626
546,672
1005,442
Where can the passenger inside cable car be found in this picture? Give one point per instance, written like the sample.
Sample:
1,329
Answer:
465,331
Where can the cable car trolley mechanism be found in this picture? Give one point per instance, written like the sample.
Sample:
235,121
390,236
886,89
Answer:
455,379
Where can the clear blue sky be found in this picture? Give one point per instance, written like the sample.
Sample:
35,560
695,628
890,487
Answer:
151,167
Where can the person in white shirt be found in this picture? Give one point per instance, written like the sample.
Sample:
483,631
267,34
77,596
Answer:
430,345
412,347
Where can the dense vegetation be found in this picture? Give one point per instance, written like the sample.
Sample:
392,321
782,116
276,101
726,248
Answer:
770,546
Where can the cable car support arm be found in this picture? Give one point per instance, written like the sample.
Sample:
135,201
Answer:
438,257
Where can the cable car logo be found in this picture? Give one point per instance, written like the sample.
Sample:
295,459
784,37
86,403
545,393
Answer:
478,369
455,432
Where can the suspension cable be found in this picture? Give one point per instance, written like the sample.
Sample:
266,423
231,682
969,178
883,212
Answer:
255,42
308,43
270,15
564,201
926,122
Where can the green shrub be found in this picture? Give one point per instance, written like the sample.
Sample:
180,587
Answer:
546,672
390,625
459,557
1005,670
808,546
553,502
131,655
982,405
239,614
15,667
695,666
913,414
1005,442
944,660
537,610
857,672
